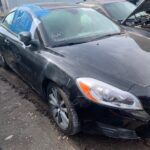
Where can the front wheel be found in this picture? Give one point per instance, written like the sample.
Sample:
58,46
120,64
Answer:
62,110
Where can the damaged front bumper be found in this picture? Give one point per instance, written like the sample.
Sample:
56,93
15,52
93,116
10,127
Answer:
123,124
141,131
114,132
123,133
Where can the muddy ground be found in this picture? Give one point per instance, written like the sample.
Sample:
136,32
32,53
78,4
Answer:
26,125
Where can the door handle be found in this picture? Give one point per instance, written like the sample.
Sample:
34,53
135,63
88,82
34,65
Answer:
7,41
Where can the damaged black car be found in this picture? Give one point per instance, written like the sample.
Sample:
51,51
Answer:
93,74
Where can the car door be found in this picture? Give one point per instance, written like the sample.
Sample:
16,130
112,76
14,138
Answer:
6,35
29,63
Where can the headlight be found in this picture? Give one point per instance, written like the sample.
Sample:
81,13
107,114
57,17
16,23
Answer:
105,94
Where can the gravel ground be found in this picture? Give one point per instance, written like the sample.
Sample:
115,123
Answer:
25,123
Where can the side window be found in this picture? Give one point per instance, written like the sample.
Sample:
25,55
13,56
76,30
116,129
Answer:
22,22
8,20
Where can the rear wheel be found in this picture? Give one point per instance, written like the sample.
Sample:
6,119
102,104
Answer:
62,110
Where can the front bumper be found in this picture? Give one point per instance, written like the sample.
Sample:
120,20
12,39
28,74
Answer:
114,132
115,123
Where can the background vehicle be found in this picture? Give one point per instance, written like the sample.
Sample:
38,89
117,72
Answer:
117,10
134,1
91,72
130,16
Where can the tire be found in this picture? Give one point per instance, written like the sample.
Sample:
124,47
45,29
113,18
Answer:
62,110
3,62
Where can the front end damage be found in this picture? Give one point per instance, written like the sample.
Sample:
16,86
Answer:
123,124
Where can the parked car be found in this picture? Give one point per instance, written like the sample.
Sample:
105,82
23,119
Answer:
92,73
130,16
134,1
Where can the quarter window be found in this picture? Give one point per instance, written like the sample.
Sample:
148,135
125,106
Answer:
22,22
18,21
8,20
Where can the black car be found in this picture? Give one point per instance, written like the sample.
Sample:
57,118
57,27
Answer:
93,74
126,14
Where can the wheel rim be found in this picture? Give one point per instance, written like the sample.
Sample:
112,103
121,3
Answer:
59,109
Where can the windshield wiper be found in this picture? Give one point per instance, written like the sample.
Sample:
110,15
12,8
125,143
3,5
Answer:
69,43
84,41
109,35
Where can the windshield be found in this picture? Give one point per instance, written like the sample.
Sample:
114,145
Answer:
76,24
120,10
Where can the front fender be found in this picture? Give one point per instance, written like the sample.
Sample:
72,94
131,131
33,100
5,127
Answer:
52,73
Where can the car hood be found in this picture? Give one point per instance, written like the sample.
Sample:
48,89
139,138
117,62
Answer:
143,6
122,60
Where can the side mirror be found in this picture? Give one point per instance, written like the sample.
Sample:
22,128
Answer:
25,37
35,45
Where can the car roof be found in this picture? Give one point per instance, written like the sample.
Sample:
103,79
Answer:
38,9
51,5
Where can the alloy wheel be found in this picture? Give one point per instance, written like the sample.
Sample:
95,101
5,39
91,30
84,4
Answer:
58,108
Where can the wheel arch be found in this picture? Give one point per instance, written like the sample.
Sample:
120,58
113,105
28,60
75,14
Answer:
60,78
